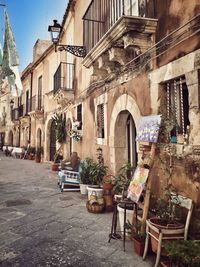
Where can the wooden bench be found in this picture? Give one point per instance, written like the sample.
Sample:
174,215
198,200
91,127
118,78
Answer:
70,179
16,152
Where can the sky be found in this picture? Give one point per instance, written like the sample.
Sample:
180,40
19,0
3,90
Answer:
29,21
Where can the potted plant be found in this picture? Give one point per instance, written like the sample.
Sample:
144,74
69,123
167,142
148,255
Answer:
98,171
123,178
38,154
122,181
60,128
108,182
31,153
137,236
86,167
182,253
56,161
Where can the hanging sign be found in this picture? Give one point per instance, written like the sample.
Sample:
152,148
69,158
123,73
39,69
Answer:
148,129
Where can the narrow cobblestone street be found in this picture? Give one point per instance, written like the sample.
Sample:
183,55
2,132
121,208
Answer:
40,226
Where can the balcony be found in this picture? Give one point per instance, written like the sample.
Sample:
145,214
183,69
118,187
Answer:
14,114
21,111
64,83
115,32
37,106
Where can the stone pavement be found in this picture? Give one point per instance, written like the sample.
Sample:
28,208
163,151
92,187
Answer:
40,226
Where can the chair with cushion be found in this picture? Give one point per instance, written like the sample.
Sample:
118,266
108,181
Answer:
160,234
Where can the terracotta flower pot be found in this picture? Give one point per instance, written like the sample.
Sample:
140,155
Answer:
54,167
138,246
162,224
107,186
37,159
30,157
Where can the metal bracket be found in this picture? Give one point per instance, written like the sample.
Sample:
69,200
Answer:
78,51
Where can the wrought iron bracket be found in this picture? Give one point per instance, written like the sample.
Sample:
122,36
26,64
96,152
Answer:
78,51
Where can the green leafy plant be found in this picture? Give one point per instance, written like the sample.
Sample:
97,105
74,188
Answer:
109,179
39,151
123,178
135,231
183,253
60,127
91,172
31,150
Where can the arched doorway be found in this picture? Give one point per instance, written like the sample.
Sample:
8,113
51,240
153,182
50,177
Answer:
39,137
52,140
10,138
124,140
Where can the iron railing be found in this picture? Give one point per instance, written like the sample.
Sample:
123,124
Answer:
40,102
28,106
14,114
64,77
33,103
101,15
21,110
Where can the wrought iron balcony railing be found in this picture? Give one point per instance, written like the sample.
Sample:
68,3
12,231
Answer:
21,110
37,102
64,77
33,103
14,114
101,15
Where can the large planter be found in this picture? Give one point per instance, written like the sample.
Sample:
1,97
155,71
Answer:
54,167
107,186
95,191
83,189
30,157
37,159
162,224
129,217
138,246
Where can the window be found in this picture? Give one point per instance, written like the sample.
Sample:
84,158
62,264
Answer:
177,105
79,116
100,121
40,93
27,102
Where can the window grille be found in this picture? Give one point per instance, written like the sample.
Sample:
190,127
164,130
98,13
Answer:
178,105
100,121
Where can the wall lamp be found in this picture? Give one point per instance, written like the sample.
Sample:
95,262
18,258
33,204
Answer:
55,30
11,103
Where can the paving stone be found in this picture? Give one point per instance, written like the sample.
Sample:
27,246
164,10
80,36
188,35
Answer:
54,228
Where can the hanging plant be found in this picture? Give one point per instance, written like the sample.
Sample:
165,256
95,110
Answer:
75,134
60,127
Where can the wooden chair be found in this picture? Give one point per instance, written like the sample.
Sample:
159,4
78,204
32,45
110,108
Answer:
161,235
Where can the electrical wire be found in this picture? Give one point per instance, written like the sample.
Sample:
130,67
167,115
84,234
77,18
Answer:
142,60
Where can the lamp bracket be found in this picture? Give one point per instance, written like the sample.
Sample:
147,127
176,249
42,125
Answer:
78,51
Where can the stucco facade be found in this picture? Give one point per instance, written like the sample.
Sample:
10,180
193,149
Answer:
128,65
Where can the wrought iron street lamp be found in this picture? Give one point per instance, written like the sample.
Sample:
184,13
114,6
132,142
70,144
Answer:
11,103
55,30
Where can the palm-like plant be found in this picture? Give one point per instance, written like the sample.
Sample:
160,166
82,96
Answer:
60,127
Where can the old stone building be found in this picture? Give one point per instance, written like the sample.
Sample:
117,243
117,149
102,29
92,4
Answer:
142,58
